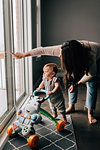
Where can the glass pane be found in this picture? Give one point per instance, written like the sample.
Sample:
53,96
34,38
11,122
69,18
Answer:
18,47
3,90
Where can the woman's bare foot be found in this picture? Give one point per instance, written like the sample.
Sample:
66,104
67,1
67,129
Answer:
92,120
70,109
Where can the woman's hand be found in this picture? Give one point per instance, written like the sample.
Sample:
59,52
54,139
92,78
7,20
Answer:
17,55
2,55
73,88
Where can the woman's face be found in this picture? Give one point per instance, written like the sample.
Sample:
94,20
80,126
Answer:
61,59
60,53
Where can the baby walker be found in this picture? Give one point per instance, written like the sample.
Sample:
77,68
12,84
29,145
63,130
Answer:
30,115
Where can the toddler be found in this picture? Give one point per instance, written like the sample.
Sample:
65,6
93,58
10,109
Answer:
51,83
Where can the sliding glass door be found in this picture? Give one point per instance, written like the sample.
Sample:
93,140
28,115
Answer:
15,36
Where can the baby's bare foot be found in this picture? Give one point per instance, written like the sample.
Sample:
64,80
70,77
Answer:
65,121
55,115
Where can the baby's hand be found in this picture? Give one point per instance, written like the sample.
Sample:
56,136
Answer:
49,92
38,89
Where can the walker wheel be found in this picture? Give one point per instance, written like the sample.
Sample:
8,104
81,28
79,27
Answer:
10,130
60,125
33,141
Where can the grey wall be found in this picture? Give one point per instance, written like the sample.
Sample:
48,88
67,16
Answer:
70,19
63,20
33,7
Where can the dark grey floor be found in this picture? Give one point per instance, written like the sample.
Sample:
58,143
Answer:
87,136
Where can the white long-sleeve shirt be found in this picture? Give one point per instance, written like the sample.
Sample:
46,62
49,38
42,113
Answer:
55,51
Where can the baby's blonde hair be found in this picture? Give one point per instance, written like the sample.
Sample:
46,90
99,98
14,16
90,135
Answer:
52,66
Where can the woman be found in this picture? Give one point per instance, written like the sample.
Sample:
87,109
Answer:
79,59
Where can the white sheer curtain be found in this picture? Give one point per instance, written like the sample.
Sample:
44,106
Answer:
22,39
17,24
18,45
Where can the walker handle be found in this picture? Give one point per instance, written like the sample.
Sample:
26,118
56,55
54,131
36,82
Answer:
42,91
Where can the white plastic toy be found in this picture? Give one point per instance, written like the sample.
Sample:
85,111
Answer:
31,115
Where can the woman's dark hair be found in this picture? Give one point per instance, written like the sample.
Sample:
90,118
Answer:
74,60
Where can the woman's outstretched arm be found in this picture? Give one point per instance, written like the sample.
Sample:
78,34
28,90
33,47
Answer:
2,55
50,50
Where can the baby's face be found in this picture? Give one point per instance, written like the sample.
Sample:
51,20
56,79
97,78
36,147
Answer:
48,72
